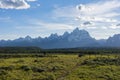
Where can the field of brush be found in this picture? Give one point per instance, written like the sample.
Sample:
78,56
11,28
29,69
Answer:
59,67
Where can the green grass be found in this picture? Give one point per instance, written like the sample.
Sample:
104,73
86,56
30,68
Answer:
61,67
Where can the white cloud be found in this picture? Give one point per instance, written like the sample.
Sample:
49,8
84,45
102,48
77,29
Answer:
101,13
45,28
9,36
87,23
95,19
112,14
117,26
104,7
14,4
84,8
91,27
103,27
38,25
55,26
99,9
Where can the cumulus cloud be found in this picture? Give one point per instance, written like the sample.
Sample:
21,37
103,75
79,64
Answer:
87,27
84,8
113,26
87,23
95,9
101,13
103,27
14,4
95,19
118,24
99,9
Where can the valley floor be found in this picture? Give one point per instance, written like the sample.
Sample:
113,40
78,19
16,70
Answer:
61,67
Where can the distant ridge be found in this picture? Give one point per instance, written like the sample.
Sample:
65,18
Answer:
77,38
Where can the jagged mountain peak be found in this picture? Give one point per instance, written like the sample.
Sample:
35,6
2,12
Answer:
65,34
77,31
39,37
54,35
114,41
27,37
78,35
77,38
116,36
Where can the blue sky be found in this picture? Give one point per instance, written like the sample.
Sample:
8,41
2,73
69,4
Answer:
19,18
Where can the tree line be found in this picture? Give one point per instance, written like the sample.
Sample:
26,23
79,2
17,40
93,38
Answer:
23,50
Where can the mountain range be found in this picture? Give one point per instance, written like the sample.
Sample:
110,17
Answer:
77,38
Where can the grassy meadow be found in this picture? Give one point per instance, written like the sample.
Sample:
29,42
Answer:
60,67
